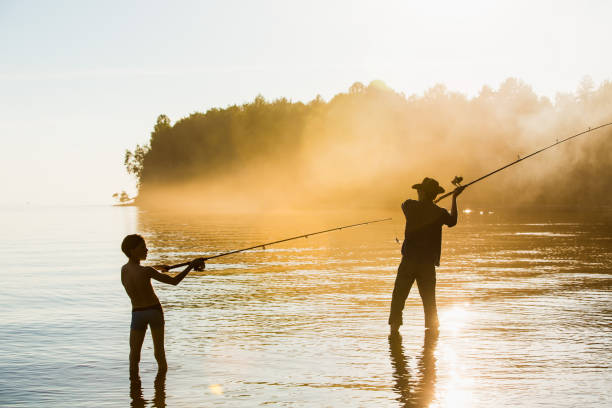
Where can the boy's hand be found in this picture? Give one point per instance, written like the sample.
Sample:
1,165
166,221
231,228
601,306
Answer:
198,264
163,268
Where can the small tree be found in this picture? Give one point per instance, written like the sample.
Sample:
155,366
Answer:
122,197
134,161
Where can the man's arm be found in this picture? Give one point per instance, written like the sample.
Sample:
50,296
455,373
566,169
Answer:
453,214
174,280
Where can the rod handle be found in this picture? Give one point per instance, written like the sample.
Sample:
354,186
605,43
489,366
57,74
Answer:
444,196
182,264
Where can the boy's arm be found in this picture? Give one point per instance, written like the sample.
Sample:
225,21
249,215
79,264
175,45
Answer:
173,280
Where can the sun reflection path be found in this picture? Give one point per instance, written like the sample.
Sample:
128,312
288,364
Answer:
215,389
455,390
454,319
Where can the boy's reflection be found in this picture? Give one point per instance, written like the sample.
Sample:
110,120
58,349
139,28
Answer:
159,398
420,392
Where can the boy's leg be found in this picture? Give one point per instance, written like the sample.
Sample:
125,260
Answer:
401,289
136,392
136,339
426,281
159,398
158,346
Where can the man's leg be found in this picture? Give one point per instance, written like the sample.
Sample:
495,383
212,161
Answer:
426,281
403,283
136,339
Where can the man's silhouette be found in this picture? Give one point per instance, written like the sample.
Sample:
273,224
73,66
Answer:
421,251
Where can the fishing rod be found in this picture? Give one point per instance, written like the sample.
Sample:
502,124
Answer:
281,240
457,180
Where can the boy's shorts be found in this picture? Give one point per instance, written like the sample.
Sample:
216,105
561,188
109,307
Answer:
150,315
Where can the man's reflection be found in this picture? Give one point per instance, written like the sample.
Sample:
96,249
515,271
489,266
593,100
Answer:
159,398
420,391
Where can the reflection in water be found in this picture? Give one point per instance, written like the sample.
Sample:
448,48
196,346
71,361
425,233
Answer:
304,323
136,392
159,398
417,390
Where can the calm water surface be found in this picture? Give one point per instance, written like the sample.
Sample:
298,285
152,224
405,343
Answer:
525,307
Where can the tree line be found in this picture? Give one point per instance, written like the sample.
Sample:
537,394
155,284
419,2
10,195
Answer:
376,140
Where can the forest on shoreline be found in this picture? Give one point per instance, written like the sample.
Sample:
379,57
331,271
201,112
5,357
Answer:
366,147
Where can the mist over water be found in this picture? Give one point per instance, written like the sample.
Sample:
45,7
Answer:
366,147
523,301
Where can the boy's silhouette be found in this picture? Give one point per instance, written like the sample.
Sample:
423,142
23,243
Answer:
421,251
146,309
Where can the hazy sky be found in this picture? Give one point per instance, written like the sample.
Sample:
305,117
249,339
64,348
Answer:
81,81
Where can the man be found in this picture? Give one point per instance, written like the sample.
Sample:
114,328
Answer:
421,251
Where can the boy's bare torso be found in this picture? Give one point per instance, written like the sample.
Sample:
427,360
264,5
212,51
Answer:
136,280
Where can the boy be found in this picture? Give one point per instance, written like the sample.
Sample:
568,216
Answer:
421,251
146,309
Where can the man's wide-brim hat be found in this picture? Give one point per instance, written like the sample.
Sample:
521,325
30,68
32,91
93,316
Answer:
429,185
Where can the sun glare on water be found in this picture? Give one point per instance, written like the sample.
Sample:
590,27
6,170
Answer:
454,319
455,391
216,389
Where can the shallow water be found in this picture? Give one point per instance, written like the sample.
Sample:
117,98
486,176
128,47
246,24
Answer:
524,302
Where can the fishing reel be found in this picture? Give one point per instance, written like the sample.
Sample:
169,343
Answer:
199,265
457,181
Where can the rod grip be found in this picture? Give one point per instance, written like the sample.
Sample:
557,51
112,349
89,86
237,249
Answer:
444,196
183,264
179,265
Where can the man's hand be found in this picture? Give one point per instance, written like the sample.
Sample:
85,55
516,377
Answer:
458,191
163,268
198,264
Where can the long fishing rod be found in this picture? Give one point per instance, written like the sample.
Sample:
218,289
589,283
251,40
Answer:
458,180
281,240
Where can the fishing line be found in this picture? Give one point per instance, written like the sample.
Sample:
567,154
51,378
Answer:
457,180
281,240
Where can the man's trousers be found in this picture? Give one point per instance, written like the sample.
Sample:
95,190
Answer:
425,275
